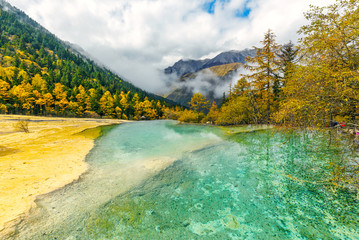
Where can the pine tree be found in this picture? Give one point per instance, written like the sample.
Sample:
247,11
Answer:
199,103
264,76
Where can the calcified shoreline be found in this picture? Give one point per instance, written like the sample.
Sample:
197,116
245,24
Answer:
47,158
104,180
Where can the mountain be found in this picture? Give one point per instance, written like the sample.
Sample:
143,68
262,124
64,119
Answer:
211,77
230,57
43,75
183,67
211,82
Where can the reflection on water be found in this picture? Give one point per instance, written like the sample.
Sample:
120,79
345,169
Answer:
258,185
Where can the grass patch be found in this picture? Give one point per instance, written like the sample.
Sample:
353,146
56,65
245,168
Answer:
97,132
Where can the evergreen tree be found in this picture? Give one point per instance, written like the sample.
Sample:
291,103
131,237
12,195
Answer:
199,103
264,76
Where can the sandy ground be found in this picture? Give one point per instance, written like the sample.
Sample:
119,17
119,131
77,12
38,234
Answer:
50,156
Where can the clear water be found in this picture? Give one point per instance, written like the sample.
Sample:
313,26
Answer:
160,180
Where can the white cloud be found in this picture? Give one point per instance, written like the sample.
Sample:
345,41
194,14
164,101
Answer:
138,38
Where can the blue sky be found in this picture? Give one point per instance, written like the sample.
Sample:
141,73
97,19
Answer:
139,38
210,7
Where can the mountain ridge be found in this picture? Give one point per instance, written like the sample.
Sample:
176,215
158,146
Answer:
183,67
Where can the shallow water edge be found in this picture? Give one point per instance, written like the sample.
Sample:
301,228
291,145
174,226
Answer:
94,130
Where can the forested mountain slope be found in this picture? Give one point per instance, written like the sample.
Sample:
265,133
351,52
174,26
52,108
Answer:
40,74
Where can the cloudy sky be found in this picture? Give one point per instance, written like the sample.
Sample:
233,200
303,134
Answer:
139,38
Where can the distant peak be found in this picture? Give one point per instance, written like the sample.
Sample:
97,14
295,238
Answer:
185,66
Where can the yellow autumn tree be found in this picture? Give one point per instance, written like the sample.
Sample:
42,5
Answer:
212,115
7,73
39,84
23,76
39,101
148,109
75,108
4,95
137,105
83,101
49,102
118,112
107,104
124,104
199,103
60,95
4,91
237,110
22,96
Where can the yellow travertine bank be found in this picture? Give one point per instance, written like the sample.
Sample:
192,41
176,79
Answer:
50,156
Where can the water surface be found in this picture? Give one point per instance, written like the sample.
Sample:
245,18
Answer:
161,180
